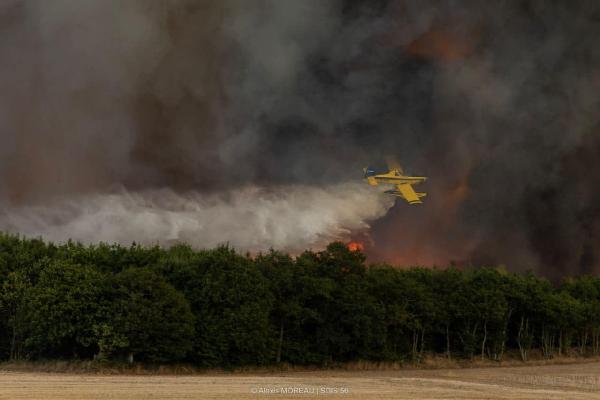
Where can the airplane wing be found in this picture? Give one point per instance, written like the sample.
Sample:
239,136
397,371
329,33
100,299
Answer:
409,193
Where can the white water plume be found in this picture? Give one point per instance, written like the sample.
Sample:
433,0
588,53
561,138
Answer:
291,217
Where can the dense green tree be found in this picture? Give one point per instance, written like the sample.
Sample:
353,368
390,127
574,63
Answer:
586,289
351,316
63,308
231,301
314,294
13,302
283,278
17,253
388,288
446,287
492,309
151,320
219,308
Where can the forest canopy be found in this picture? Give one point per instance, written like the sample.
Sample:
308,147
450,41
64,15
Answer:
219,308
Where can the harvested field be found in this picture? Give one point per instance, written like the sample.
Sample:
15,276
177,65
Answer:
572,381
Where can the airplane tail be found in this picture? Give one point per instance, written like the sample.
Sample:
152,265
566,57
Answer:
418,200
394,166
399,194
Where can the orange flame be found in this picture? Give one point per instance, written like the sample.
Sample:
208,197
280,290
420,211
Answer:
355,246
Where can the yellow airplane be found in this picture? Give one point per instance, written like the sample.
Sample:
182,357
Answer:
402,182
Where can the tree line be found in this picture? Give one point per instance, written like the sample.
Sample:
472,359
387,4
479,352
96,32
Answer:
219,308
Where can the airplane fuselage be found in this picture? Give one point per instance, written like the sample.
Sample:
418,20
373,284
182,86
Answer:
403,184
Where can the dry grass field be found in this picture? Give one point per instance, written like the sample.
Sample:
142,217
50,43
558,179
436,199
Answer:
570,381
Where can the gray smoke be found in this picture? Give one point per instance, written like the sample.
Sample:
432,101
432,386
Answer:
110,104
293,217
162,99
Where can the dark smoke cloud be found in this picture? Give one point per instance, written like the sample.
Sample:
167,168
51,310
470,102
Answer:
156,121
147,105
514,124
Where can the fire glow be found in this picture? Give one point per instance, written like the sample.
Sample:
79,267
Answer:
356,246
